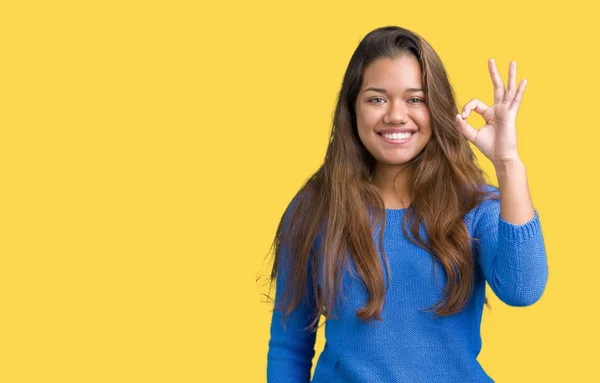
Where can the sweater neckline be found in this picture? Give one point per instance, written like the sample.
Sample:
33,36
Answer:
395,213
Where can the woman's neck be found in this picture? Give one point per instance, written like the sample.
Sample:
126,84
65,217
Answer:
393,185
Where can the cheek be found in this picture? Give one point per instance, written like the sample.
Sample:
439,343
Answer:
424,121
364,128
362,122
367,120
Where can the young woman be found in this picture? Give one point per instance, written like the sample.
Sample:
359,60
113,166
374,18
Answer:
396,234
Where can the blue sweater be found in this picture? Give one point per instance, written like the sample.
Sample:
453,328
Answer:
410,345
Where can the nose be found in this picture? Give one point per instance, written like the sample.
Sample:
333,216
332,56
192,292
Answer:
396,113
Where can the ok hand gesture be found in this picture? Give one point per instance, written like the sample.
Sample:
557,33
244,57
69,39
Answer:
497,139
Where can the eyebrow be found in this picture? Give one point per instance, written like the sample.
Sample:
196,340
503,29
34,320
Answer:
381,90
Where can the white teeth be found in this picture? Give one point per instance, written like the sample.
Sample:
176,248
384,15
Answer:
396,136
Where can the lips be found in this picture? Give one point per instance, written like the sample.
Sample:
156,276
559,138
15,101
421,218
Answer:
395,130
396,142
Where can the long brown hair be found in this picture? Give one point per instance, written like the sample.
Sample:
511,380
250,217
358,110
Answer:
335,202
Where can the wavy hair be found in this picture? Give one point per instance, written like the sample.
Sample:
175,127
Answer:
337,199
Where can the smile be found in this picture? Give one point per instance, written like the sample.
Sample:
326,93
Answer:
397,139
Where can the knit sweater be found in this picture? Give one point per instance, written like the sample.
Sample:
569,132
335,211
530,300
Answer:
410,345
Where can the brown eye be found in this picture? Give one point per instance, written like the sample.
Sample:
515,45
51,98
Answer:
376,98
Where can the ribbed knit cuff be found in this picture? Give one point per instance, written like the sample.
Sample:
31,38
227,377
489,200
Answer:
519,232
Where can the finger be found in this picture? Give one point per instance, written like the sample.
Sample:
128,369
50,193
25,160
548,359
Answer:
475,105
516,103
465,129
512,83
497,81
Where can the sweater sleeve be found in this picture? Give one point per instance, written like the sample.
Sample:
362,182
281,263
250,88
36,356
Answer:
291,346
511,257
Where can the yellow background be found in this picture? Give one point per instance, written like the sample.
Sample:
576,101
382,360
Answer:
149,148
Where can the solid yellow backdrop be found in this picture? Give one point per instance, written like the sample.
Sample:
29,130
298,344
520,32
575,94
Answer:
149,149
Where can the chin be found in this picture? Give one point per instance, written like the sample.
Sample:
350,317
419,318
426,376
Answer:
395,160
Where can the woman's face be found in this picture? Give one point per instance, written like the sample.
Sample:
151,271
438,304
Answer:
391,114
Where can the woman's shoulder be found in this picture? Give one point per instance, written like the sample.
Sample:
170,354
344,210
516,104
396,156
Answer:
489,201
488,188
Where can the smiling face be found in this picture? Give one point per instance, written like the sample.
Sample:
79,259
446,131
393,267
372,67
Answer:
391,114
